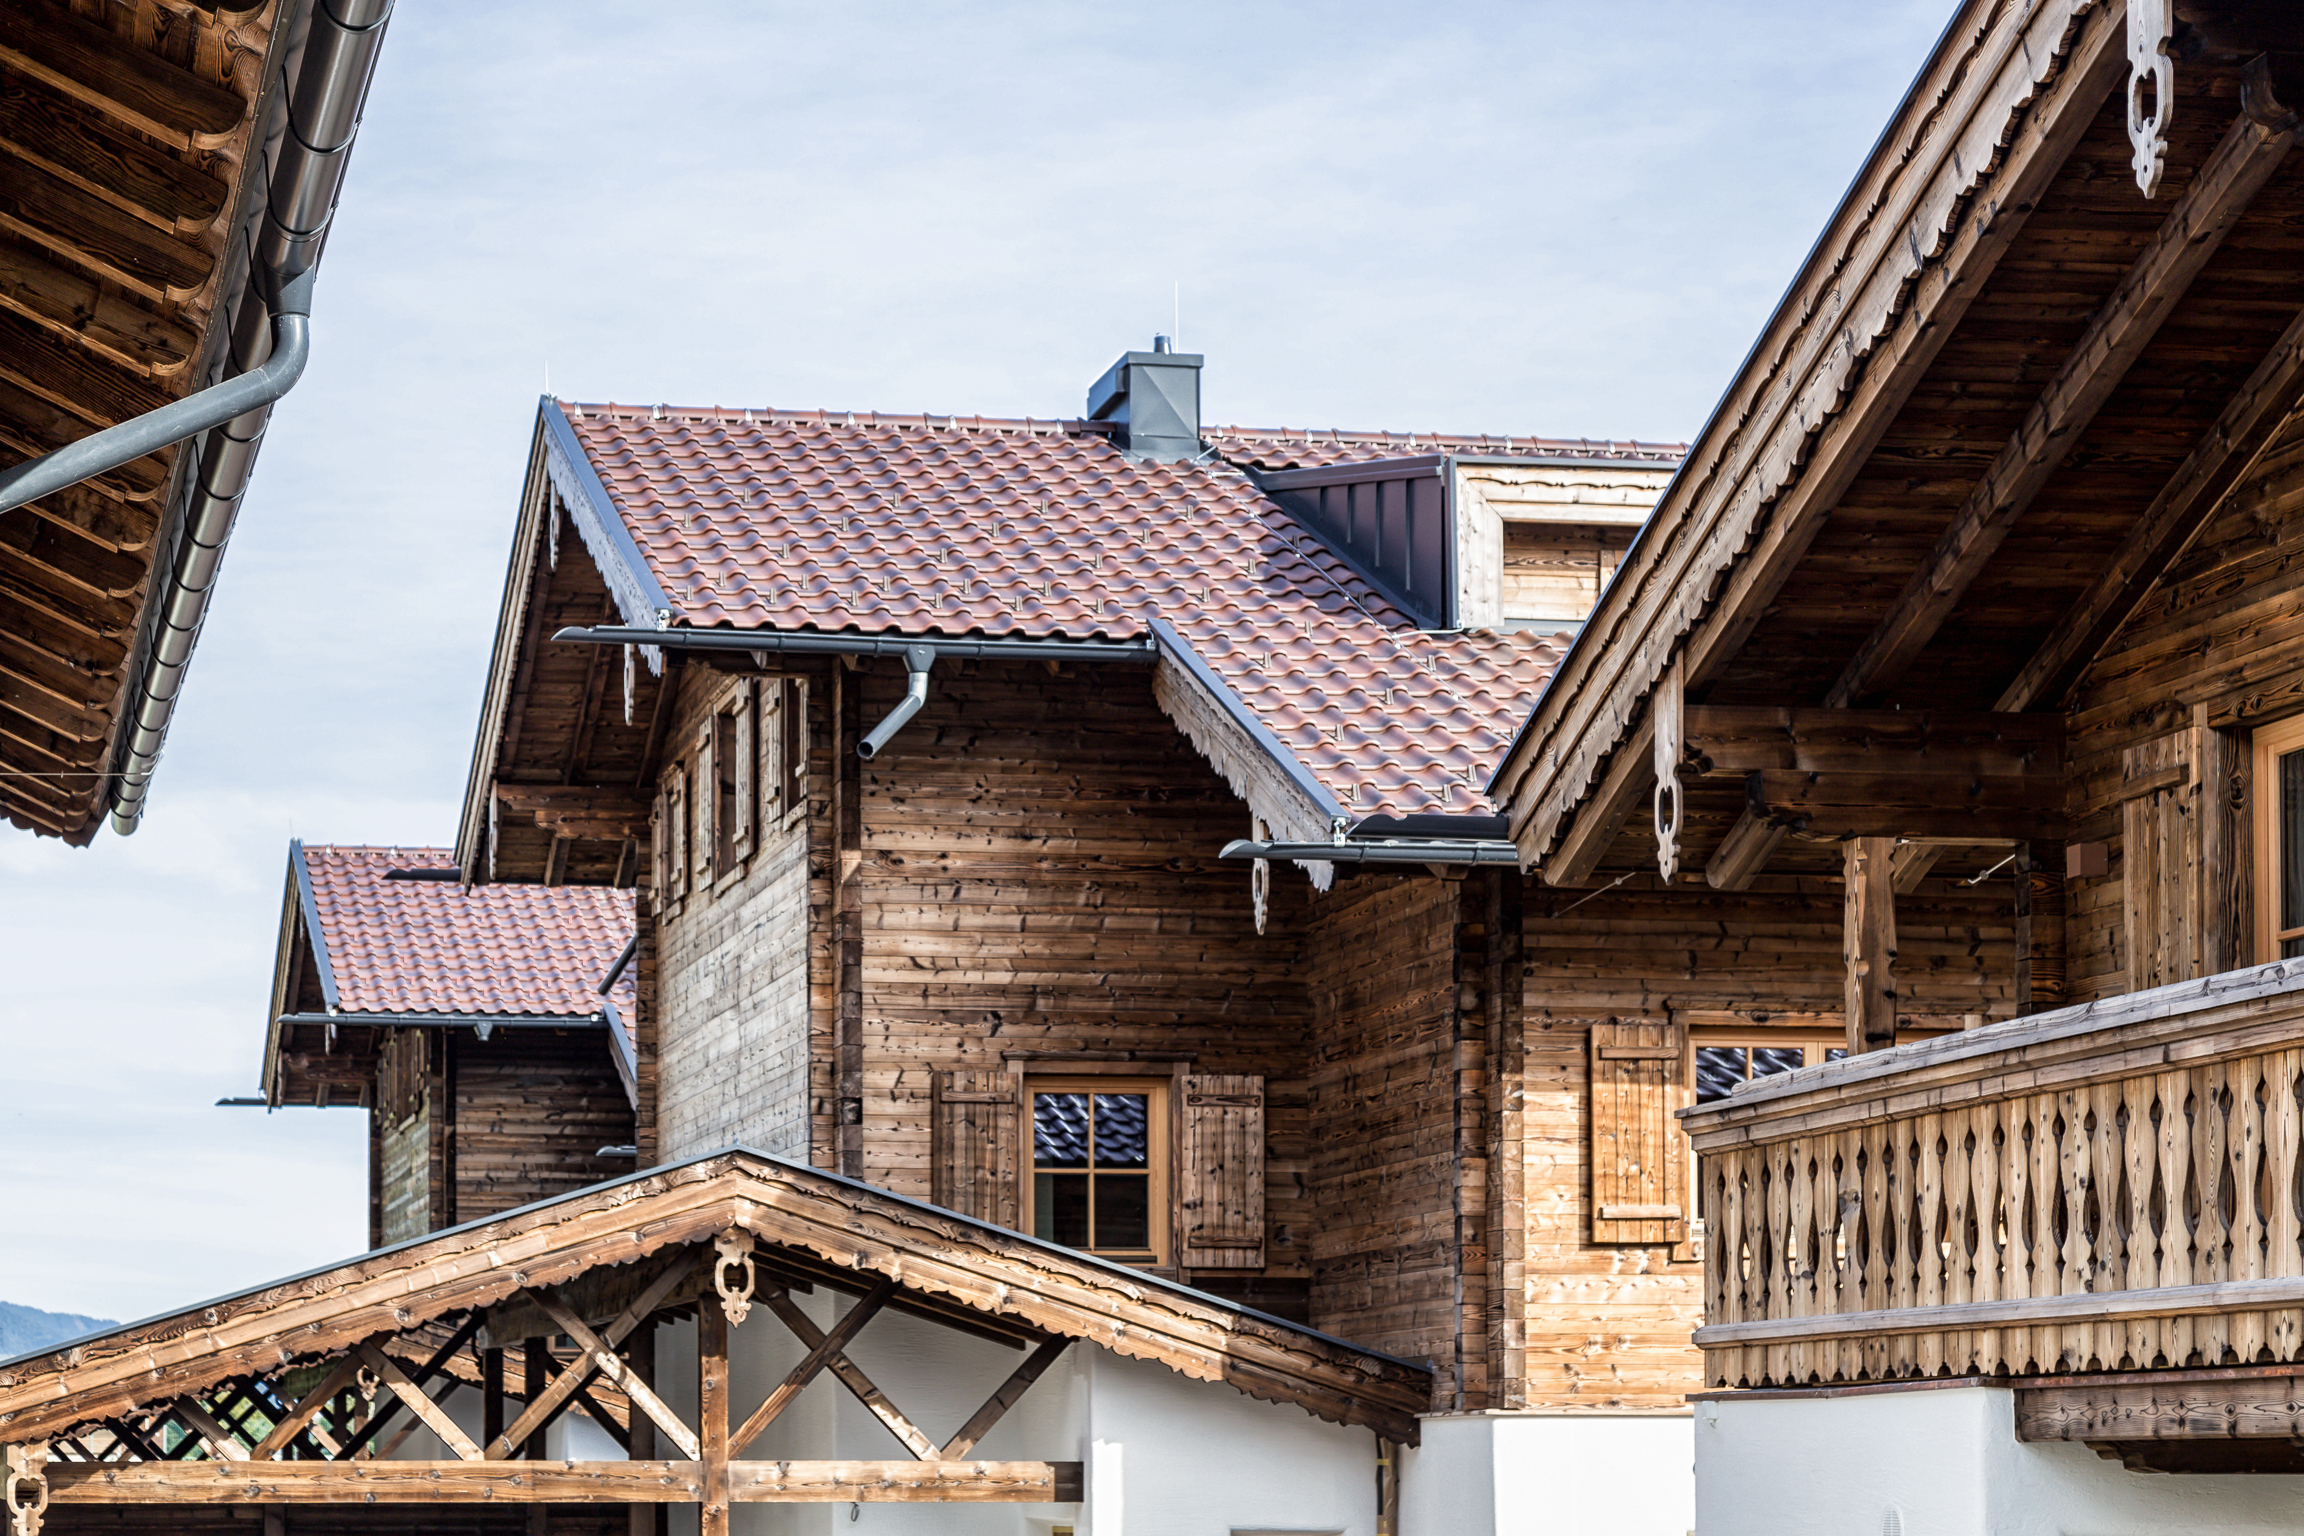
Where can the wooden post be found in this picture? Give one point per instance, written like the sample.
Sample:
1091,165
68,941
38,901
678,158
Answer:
640,1355
2039,934
1868,941
491,1395
712,1417
536,1369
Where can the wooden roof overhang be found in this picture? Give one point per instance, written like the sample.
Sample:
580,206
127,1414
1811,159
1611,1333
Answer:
127,166
244,1378
562,779
2003,392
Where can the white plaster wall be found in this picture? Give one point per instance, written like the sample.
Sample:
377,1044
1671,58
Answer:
1946,1460
1165,1455
1550,1474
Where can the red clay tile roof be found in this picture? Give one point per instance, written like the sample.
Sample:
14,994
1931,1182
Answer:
429,946
880,524
1287,448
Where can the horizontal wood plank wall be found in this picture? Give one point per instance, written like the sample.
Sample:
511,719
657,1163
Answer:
732,1049
2218,644
1037,873
403,1176
1608,1325
1381,979
533,1109
337,1520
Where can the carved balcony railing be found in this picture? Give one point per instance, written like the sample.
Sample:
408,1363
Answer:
2109,1188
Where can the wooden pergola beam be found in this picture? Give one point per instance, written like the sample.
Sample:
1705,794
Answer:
88,62
1744,852
356,1483
2245,159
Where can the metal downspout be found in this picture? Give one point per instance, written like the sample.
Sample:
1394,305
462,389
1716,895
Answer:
270,343
917,660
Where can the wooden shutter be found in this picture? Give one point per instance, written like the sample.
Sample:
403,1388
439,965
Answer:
2160,861
977,1136
707,792
795,745
1640,1176
660,851
1221,1129
768,770
740,754
676,804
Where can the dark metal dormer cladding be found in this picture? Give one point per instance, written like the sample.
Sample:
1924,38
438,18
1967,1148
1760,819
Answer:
1392,520
1155,397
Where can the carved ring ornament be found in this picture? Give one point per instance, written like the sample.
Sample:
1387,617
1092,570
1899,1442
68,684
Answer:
25,1492
732,1273
2151,26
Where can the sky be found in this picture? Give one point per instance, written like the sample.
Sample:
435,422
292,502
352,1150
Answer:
1528,218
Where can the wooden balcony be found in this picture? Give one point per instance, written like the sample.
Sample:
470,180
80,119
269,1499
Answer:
2112,1191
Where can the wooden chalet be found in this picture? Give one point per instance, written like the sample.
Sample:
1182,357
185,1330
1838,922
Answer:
1954,687
487,1031
142,223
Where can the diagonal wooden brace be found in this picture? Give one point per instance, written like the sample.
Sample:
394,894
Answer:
805,1330
306,1410
434,1416
222,1443
540,1412
599,1357
981,1421
823,1349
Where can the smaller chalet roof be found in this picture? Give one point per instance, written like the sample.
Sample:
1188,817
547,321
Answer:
860,523
434,946
809,1227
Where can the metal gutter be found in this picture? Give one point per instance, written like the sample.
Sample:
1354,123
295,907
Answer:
304,898
1389,851
918,659
1173,647
483,1023
270,343
616,967
812,643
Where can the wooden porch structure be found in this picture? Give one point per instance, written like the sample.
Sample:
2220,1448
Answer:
304,1392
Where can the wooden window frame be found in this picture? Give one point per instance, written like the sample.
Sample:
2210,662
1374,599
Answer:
1160,1154
792,748
2266,747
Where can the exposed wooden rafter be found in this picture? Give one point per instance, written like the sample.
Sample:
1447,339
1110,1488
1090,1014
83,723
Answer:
2117,335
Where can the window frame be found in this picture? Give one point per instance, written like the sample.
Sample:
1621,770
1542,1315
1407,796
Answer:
2267,745
1160,1138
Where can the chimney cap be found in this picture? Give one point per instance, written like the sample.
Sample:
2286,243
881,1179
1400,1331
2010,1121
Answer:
1161,343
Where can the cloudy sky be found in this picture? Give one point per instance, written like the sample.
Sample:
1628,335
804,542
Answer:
1532,217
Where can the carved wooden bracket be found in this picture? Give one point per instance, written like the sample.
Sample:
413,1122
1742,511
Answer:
1260,872
1668,710
25,1492
2151,25
732,1273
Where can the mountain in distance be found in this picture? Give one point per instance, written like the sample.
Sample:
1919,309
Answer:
24,1329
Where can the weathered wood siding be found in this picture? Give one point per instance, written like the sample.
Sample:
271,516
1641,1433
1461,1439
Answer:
403,1153
1380,979
533,1109
731,1034
2217,649
1608,1323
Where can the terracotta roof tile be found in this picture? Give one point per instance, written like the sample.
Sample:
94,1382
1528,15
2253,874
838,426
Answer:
430,946
955,526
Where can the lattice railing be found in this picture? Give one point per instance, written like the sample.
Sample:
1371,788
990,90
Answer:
2112,1188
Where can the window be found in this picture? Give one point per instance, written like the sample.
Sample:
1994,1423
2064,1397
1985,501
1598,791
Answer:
1721,1067
726,755
794,744
1099,1171
2279,796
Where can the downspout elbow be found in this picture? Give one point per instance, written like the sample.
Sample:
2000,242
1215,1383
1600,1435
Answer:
917,660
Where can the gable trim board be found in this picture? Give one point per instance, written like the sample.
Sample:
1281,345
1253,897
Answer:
847,1228
324,965
1981,132
614,551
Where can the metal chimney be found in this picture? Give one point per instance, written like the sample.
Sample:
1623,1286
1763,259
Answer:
1155,396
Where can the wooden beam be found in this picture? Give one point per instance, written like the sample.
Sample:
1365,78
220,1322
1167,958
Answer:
435,1417
2238,1407
1913,862
2115,338
1891,805
306,1408
1623,789
980,1423
222,1443
1742,738
1744,852
84,309
600,1355
1868,943
356,1483
75,142
820,1354
88,62
712,1419
2224,456
86,230
805,1330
